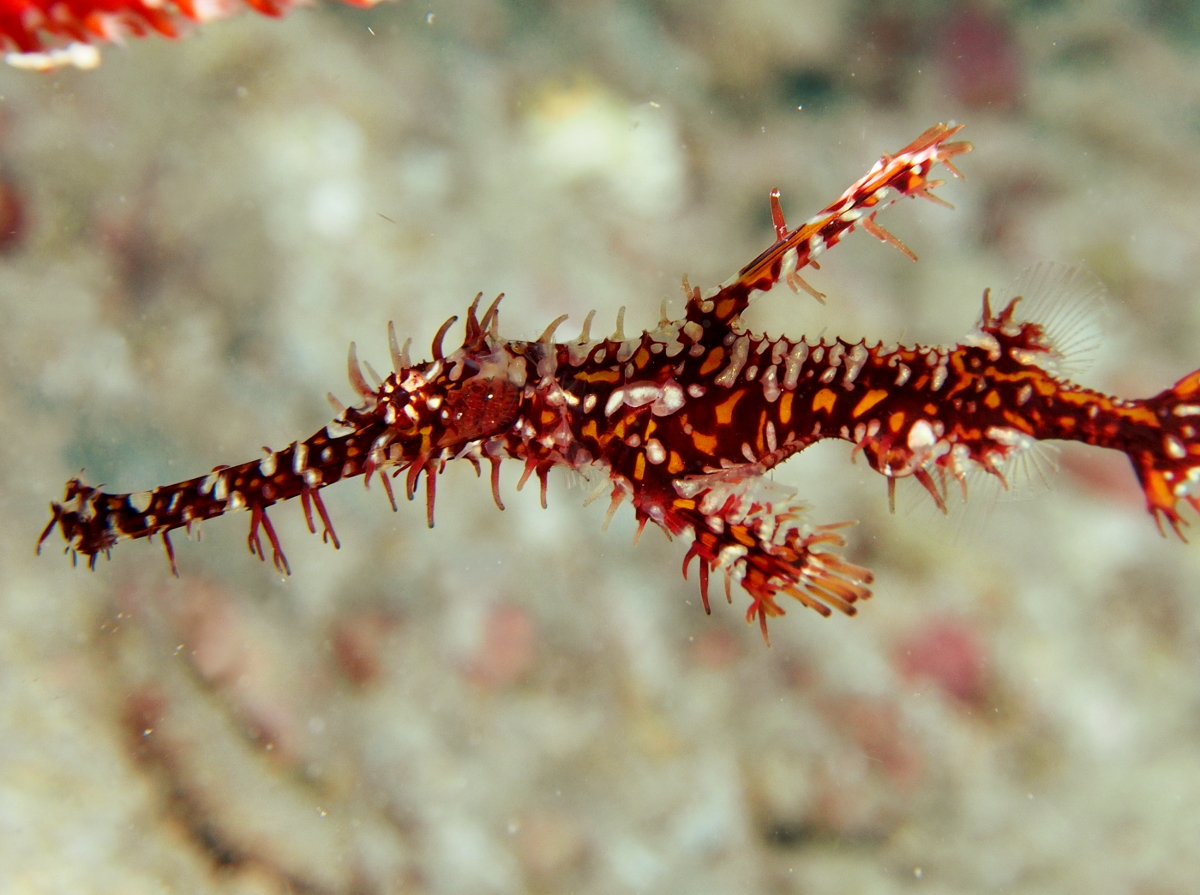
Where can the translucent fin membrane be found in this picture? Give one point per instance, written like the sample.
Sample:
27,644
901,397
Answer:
1067,301
1028,472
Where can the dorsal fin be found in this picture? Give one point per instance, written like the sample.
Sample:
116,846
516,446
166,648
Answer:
1067,302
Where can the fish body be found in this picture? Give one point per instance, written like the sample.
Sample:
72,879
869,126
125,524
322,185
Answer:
684,420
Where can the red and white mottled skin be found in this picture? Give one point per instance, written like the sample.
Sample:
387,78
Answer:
684,420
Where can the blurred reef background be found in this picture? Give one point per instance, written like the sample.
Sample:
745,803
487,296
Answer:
514,702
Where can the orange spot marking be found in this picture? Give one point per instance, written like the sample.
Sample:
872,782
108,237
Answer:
548,416
639,468
785,407
931,410
712,361
675,466
724,411
1018,422
824,400
599,376
706,444
641,358
992,400
1187,386
1158,492
1082,400
896,420
590,430
650,427
742,534
1139,415
682,504
869,400
725,308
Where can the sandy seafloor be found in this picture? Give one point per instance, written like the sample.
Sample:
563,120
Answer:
515,702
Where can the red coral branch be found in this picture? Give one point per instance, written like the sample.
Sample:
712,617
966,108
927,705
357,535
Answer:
43,34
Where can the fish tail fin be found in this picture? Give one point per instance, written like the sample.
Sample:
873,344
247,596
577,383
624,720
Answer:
1167,458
